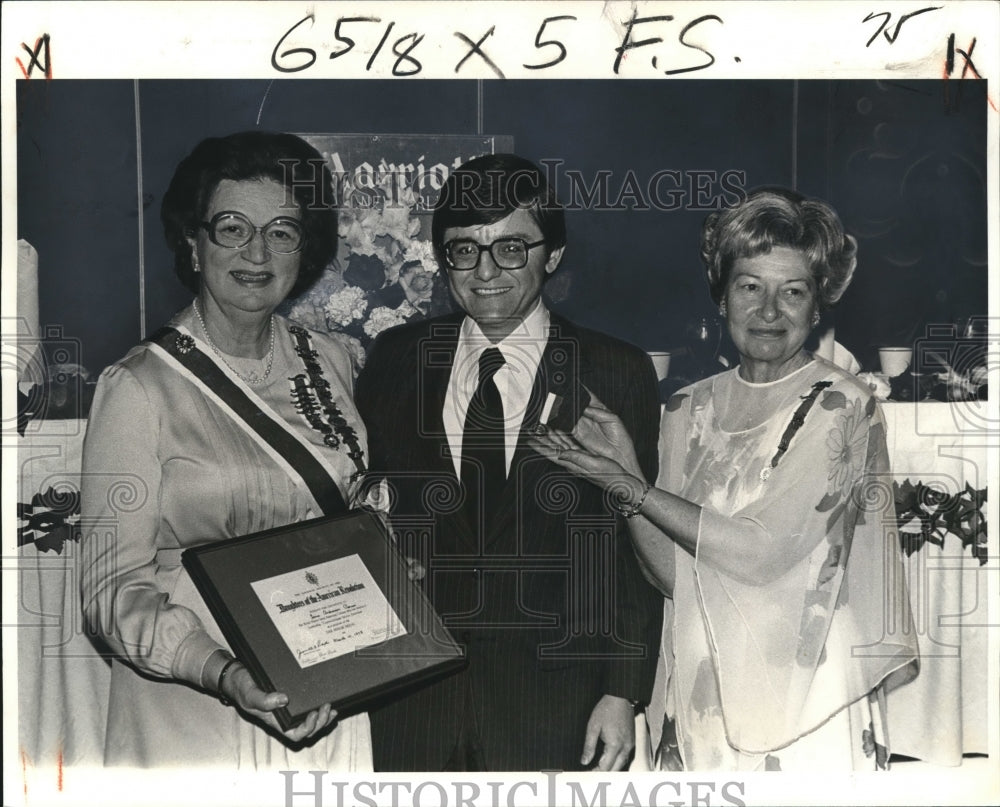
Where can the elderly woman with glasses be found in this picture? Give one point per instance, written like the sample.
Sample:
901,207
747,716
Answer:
228,421
770,528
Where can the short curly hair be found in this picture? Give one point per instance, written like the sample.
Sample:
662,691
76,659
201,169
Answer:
254,155
778,217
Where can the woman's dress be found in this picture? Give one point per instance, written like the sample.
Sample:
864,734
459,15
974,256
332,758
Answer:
785,626
165,468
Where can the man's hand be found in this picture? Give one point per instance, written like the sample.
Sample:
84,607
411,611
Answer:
613,723
415,569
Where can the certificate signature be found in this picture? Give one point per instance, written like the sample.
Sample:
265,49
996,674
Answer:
328,610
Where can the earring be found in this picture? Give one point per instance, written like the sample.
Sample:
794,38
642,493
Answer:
815,319
722,307
194,261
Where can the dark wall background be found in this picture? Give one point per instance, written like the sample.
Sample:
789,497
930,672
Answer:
903,163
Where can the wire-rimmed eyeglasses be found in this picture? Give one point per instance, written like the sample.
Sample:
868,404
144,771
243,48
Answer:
233,230
507,253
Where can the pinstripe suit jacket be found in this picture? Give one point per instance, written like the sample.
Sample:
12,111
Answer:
548,599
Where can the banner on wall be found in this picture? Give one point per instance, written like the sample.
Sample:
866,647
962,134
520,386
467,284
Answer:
385,272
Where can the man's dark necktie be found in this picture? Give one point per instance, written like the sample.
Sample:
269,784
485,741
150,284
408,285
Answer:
484,467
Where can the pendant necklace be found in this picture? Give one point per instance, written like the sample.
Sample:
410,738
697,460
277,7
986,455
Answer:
313,399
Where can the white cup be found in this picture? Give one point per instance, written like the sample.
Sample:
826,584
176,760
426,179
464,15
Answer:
895,360
661,363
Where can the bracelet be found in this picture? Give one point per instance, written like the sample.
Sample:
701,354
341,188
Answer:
632,510
222,677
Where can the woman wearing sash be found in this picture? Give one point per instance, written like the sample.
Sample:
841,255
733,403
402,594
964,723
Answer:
771,528
229,421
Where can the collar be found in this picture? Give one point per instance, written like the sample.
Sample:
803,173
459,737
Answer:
530,334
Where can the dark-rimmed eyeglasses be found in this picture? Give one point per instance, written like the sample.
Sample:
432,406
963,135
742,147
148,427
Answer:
234,231
507,253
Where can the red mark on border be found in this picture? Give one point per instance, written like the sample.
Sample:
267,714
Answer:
949,65
24,771
41,44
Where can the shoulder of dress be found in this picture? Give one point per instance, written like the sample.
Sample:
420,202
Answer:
140,362
844,383
291,326
705,387
136,381
693,396
327,342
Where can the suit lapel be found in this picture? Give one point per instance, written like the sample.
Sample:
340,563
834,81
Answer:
560,372
436,358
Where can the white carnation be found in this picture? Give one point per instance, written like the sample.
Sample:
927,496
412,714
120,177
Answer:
383,318
346,305
420,250
305,313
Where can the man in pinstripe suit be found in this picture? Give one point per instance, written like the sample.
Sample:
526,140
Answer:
530,568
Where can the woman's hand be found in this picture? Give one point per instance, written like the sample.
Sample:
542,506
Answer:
600,431
599,448
566,452
239,687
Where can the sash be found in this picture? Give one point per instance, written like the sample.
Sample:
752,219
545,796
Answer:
296,456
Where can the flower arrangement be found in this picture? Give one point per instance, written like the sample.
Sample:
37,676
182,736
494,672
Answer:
384,274
50,519
947,384
926,515
950,364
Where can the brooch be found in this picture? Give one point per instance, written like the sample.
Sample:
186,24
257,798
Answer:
184,344
765,473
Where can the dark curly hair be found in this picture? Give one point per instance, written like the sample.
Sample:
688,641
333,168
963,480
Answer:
486,189
779,217
259,155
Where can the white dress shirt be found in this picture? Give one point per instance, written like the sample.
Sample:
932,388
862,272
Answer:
522,352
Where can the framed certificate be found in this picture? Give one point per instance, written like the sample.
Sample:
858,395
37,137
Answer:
323,611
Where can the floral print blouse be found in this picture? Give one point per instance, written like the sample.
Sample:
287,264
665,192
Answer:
794,608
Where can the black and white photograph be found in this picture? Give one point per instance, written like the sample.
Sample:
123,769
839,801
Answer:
656,346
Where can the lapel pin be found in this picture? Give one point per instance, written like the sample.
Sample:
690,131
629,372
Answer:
550,409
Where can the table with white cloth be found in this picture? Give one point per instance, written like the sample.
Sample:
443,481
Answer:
943,713
62,679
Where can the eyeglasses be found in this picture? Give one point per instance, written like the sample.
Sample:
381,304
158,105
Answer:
234,231
507,253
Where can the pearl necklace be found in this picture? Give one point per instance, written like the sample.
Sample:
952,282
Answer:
253,379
